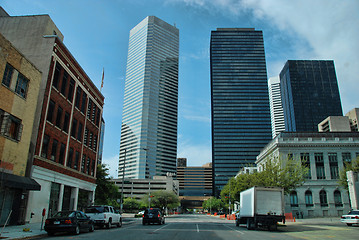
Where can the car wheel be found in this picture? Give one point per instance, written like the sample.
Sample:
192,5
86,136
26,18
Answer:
119,224
77,230
109,225
92,228
143,223
349,224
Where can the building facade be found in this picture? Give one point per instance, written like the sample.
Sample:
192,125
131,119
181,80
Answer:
353,116
325,154
241,124
310,93
276,108
195,181
19,88
138,188
335,124
68,116
148,144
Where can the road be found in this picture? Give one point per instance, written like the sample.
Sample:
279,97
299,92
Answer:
202,227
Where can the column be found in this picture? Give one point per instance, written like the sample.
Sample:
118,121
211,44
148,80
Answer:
74,197
61,197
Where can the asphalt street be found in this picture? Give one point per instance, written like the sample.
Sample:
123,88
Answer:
203,227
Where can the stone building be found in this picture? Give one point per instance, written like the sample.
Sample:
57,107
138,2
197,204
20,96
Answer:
325,153
67,119
19,88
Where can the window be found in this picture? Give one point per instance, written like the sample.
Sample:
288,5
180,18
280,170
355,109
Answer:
86,136
55,81
333,163
10,126
54,150
77,158
293,199
93,112
50,111
45,146
2,113
90,140
347,158
98,117
94,147
89,108
58,117
70,95
78,97
304,157
83,163
83,104
66,122
290,156
323,198
93,168
69,157
21,85
338,199
88,165
6,80
79,132
73,129
64,83
62,153
319,163
308,198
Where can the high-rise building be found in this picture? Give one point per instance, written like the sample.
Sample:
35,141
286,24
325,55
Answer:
241,124
276,108
309,94
149,121
353,116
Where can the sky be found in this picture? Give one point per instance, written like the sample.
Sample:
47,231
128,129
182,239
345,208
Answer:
97,34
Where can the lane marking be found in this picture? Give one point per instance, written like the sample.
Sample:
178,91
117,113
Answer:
161,227
233,229
197,228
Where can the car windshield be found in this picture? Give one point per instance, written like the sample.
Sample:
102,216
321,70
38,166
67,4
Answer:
353,213
96,209
65,214
153,211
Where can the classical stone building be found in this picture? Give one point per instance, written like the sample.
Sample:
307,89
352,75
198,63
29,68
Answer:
325,153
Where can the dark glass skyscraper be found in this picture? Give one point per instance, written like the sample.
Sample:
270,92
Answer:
241,124
309,94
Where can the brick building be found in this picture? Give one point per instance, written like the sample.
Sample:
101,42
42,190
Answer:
20,84
69,118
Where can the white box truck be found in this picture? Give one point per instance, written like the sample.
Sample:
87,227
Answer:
261,206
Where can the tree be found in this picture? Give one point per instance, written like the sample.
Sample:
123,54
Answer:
131,204
213,204
106,192
348,166
287,174
162,199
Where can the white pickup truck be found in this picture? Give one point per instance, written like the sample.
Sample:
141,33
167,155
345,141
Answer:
104,216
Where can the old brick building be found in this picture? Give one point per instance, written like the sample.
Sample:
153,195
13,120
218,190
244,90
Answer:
69,111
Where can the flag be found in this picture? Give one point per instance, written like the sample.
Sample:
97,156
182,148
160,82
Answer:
103,76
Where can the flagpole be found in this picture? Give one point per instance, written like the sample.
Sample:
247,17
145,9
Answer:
103,76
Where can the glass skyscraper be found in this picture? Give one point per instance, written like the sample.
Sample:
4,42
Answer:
149,121
309,94
276,109
241,124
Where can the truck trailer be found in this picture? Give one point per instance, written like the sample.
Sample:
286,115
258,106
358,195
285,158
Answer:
261,206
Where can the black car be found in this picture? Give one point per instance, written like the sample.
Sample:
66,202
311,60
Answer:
153,215
68,221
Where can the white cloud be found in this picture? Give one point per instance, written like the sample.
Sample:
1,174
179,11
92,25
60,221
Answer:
196,155
112,164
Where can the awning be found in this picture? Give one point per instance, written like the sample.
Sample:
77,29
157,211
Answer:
15,181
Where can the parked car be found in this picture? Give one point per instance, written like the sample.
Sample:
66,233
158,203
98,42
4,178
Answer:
69,221
153,215
104,216
351,218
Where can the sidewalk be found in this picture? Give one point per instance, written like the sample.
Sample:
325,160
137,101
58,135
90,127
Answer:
34,229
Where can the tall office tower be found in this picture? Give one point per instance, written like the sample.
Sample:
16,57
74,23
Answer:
149,120
309,94
241,124
276,108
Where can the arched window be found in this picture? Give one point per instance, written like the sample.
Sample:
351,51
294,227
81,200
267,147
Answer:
323,198
308,198
293,199
338,199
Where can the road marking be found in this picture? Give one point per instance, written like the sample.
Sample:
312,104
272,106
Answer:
233,229
197,228
161,228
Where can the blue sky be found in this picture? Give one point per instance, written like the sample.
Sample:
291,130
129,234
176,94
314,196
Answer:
96,32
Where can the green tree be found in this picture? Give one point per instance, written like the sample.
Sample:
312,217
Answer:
106,192
131,204
162,199
348,166
287,174
213,204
